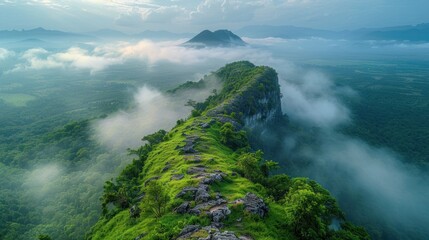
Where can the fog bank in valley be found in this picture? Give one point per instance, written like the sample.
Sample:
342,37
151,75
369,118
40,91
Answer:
372,184
152,110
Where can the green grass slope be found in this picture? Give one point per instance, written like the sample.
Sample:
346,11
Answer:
201,180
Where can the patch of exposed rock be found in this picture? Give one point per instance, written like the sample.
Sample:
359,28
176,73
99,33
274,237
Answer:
207,206
227,235
199,194
150,180
193,158
245,238
206,178
202,194
213,177
218,214
255,205
212,233
196,169
190,142
183,208
187,231
187,191
207,124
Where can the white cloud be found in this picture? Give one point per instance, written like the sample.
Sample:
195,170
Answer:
132,17
390,192
83,59
38,58
164,14
148,52
313,100
153,111
4,54
171,14
215,11
172,52
42,178
49,3
44,174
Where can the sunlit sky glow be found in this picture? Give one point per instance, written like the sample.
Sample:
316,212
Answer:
192,15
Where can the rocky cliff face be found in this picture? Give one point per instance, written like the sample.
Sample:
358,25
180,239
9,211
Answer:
201,180
257,101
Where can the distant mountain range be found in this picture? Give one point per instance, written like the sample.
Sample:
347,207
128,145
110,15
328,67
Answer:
419,33
39,37
264,31
412,33
219,38
40,34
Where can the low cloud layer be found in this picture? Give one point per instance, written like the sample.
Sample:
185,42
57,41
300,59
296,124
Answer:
100,57
103,56
68,196
152,111
374,185
174,53
39,59
312,100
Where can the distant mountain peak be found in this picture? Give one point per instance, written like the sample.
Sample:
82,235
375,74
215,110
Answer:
218,38
41,33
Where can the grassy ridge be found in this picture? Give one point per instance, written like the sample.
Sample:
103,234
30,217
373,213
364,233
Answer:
298,208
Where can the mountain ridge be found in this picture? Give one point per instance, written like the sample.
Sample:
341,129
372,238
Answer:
201,180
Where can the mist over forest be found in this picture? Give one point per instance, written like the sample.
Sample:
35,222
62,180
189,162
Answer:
356,114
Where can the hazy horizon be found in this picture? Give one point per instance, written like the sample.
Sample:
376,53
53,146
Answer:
191,16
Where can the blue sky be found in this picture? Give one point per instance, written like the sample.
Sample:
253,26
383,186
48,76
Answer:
192,15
